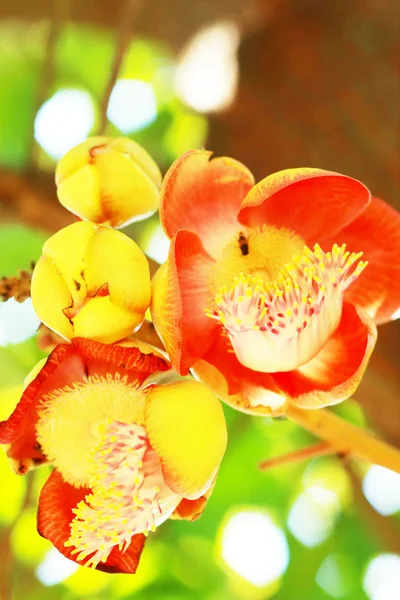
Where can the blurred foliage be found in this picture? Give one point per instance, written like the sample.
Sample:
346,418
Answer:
182,560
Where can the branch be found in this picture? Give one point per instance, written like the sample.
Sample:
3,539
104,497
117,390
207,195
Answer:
60,13
321,449
346,439
124,36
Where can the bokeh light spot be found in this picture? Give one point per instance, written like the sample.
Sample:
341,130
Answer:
381,487
55,568
255,547
157,246
65,120
207,74
382,577
313,515
132,105
18,321
336,576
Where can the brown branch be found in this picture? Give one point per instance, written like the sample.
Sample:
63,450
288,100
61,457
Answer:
124,36
384,528
32,201
60,13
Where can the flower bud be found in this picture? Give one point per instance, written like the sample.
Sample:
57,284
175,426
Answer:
108,181
91,281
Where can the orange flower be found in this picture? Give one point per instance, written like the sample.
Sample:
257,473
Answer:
259,295
128,453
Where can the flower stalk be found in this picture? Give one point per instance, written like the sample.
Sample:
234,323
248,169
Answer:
346,438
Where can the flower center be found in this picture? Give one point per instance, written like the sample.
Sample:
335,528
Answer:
256,251
72,418
279,324
129,495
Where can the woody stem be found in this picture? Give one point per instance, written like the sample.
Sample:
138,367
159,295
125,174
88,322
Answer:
346,438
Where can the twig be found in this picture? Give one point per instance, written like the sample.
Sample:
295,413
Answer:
60,13
321,449
124,35
346,438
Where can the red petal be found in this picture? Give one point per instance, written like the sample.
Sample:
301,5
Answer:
106,358
334,374
25,413
310,202
180,296
240,387
376,232
204,196
56,502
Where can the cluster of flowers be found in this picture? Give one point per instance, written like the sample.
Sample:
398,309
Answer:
259,298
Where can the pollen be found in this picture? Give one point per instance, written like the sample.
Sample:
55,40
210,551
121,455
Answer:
68,441
280,324
123,503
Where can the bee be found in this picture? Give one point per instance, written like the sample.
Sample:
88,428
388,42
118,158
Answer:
243,243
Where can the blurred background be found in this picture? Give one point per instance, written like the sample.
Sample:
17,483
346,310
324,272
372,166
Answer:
276,84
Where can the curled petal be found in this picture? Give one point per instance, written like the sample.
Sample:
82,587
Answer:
377,233
191,510
204,196
311,202
185,425
242,388
180,295
56,502
335,372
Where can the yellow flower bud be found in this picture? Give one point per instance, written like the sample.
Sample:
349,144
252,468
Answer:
109,181
91,281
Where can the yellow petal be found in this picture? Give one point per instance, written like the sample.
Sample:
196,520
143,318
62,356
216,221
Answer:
50,296
109,181
186,427
127,192
80,194
103,321
115,259
66,250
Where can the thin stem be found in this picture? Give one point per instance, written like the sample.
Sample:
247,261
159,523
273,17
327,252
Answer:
124,36
347,439
321,449
60,13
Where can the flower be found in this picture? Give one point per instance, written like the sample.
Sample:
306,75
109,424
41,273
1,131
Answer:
260,296
128,452
109,181
91,281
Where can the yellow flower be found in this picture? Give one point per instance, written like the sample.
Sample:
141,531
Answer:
91,281
109,181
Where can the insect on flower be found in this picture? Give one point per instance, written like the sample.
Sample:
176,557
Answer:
271,292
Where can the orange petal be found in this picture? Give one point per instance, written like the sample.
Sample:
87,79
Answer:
311,202
204,196
376,232
335,372
180,296
246,390
186,426
56,502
